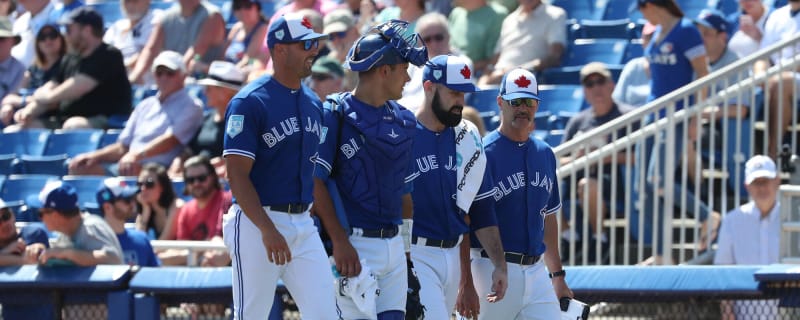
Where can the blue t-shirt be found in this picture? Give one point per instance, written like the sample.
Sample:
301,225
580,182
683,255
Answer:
369,151
136,249
670,59
436,215
525,175
280,129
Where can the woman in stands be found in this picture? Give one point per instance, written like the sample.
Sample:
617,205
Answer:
50,48
156,201
246,36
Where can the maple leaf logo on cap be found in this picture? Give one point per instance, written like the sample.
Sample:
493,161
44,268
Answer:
522,82
466,72
306,23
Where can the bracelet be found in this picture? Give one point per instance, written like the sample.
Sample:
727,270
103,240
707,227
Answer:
556,274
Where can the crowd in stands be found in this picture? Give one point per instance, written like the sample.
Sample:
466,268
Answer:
65,66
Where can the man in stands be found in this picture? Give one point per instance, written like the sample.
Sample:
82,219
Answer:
11,70
130,33
157,131
118,204
475,27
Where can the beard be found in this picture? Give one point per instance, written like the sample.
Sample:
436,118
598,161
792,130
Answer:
446,117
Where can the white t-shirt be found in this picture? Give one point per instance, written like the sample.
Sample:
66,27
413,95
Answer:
527,37
742,44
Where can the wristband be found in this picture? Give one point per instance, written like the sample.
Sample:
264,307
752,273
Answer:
556,274
405,232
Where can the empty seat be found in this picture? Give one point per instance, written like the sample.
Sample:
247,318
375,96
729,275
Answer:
87,187
554,137
691,8
178,185
582,9
633,50
561,100
583,51
571,75
7,162
29,141
622,9
109,137
605,29
51,165
18,187
73,142
484,100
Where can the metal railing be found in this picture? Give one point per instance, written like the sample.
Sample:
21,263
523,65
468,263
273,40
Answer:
646,212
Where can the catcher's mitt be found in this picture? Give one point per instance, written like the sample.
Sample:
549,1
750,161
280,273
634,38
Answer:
414,308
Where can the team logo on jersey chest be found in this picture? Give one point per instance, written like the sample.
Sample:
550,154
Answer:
235,125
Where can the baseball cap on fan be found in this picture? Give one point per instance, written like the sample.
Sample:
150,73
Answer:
451,71
289,28
56,195
113,189
519,83
759,167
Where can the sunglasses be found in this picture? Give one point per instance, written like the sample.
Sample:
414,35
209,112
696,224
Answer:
47,36
192,180
308,44
337,35
590,84
521,101
147,184
320,77
439,37
165,72
5,215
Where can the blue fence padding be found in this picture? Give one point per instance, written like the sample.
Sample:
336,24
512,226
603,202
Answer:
778,272
626,283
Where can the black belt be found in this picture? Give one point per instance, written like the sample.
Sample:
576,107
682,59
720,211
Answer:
436,243
291,207
383,233
518,258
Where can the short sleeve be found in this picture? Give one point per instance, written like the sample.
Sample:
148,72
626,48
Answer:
482,213
328,142
558,33
242,127
98,69
693,43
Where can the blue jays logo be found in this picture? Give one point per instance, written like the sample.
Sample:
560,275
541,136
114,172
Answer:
437,74
279,34
666,47
235,125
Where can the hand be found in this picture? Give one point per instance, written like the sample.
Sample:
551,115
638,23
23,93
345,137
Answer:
128,165
33,252
561,288
215,258
16,247
7,114
467,304
23,116
53,253
499,285
346,259
83,160
277,250
748,27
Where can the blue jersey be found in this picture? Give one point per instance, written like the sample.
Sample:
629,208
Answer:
436,215
670,59
524,174
136,249
280,129
368,149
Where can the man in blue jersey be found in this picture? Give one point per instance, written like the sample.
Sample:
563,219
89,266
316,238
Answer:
450,180
118,204
272,132
523,169
367,153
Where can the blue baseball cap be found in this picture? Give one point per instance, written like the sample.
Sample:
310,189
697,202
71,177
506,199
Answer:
713,19
452,71
56,195
115,188
291,27
519,83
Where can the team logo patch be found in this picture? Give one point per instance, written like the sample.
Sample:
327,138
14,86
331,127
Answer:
437,74
279,34
235,125
666,47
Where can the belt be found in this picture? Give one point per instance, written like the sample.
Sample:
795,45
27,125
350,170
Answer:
291,207
383,233
434,243
517,258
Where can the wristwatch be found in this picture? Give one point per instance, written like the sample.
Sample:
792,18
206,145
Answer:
561,273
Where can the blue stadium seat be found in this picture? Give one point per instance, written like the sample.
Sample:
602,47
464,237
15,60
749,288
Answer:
622,9
15,206
7,162
50,165
582,9
2,180
110,10
29,141
634,49
583,51
491,120
18,187
87,187
109,137
267,8
571,75
554,137
178,185
728,6
605,29
691,8
73,142
484,100
561,100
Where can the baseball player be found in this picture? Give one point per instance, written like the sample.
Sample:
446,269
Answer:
272,132
450,179
524,172
367,152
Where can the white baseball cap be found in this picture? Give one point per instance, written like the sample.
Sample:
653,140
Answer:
519,83
291,27
452,71
759,167
223,74
171,60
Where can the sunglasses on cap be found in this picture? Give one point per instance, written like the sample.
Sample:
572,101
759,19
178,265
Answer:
5,214
198,178
147,184
521,101
591,83
439,37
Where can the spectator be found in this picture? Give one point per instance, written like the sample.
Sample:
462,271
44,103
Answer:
8,9
157,131
27,26
91,83
247,35
50,48
62,8
747,27
193,28
475,28
117,202
750,234
12,69
597,88
532,37
130,34
84,239
23,247
157,203
200,219
406,10
633,87
327,77
222,83
340,26
780,93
